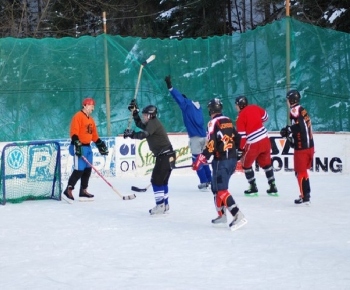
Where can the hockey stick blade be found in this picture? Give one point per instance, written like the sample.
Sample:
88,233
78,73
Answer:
134,188
123,197
148,60
128,197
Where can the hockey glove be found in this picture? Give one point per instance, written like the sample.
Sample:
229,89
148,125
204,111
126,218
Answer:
78,148
101,146
200,160
168,82
285,132
239,154
129,133
133,107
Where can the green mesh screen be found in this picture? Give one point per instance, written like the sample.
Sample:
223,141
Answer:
43,81
30,171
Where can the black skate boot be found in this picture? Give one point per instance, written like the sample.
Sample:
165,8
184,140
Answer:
302,201
85,196
252,191
68,194
272,191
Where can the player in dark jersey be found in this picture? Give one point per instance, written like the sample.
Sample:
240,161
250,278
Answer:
222,140
159,144
299,133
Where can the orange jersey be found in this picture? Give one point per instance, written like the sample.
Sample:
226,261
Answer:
84,127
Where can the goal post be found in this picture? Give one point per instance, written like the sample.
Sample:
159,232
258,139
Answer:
30,171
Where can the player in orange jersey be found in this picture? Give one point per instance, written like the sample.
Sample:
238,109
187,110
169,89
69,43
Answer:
83,131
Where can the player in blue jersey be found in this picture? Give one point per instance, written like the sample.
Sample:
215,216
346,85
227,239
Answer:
194,122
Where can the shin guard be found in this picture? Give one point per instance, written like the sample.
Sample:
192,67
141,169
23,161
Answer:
304,185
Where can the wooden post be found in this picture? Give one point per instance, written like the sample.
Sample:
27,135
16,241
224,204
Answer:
107,93
287,54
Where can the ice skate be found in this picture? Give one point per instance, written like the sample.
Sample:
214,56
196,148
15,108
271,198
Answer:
158,209
238,221
220,220
302,201
68,194
204,186
272,191
252,191
166,208
85,196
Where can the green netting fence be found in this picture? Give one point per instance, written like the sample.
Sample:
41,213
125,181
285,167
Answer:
43,81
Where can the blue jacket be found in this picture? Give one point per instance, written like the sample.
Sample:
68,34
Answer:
191,113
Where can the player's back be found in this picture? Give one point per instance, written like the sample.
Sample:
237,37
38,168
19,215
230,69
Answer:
251,119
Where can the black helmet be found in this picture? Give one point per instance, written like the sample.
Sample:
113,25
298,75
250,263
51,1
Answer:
214,106
241,102
150,110
293,97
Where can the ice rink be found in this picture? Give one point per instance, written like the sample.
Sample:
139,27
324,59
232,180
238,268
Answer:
114,244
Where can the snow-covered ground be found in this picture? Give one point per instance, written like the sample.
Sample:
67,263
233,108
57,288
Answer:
115,244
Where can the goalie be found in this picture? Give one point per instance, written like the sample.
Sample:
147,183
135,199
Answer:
83,131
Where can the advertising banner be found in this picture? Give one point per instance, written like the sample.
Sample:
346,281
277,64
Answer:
133,157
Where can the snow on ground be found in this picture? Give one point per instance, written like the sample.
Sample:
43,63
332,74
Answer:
115,244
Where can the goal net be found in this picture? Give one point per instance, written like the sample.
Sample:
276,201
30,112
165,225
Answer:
30,171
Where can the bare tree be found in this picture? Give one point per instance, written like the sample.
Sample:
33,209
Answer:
145,18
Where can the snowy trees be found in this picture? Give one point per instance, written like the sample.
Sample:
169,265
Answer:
160,18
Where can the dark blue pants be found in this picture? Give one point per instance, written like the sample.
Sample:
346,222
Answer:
222,171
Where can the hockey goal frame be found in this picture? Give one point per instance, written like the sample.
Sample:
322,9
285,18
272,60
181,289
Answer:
33,164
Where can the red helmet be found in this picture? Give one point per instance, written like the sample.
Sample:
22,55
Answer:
88,101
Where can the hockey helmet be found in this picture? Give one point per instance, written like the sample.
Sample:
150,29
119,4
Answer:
150,110
88,101
214,106
293,97
241,102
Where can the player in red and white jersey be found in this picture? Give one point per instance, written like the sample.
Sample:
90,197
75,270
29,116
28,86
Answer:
255,144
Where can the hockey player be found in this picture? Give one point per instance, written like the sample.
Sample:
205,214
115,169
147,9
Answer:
255,144
159,144
83,131
192,116
300,136
222,141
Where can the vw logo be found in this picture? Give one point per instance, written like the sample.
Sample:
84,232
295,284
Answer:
15,159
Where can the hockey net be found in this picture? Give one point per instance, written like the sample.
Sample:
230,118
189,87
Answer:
30,171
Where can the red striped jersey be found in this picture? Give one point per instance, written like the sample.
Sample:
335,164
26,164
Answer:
250,126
